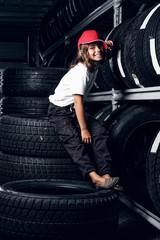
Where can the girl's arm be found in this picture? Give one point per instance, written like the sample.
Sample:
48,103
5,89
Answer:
79,109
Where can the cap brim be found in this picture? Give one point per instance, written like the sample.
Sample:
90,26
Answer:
97,40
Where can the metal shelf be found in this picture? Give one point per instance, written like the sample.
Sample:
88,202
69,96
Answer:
147,93
91,17
143,212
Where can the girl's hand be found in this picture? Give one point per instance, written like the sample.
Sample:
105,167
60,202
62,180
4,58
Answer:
86,136
110,44
79,109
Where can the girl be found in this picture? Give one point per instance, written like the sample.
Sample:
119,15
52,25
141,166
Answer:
83,137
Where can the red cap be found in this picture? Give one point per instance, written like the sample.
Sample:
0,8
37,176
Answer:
90,36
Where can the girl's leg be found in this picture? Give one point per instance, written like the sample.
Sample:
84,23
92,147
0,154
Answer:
96,179
99,147
105,182
68,133
63,120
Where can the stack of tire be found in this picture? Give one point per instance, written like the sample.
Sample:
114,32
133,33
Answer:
42,195
30,147
132,132
136,58
62,19
134,128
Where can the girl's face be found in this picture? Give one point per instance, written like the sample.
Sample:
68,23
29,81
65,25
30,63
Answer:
96,51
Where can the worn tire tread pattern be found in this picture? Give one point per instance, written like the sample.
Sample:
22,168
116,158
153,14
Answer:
30,137
29,215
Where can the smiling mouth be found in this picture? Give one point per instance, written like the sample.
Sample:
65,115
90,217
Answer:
98,55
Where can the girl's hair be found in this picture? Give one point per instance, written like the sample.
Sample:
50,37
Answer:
83,57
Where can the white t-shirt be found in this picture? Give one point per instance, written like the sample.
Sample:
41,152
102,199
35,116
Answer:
78,80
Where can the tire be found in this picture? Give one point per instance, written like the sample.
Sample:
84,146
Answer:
56,209
132,60
153,171
61,20
106,116
31,82
63,56
152,29
103,114
55,29
30,137
118,68
131,134
137,43
45,38
13,168
105,80
25,106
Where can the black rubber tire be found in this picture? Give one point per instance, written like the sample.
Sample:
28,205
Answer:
55,29
130,135
137,40
153,171
118,36
123,56
105,80
66,16
152,29
63,56
130,131
30,137
44,38
25,106
34,82
56,209
13,168
107,116
103,114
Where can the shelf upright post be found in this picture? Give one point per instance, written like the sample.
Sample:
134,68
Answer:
117,12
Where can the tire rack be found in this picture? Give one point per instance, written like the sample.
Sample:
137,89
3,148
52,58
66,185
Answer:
134,94
117,18
130,203
116,97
